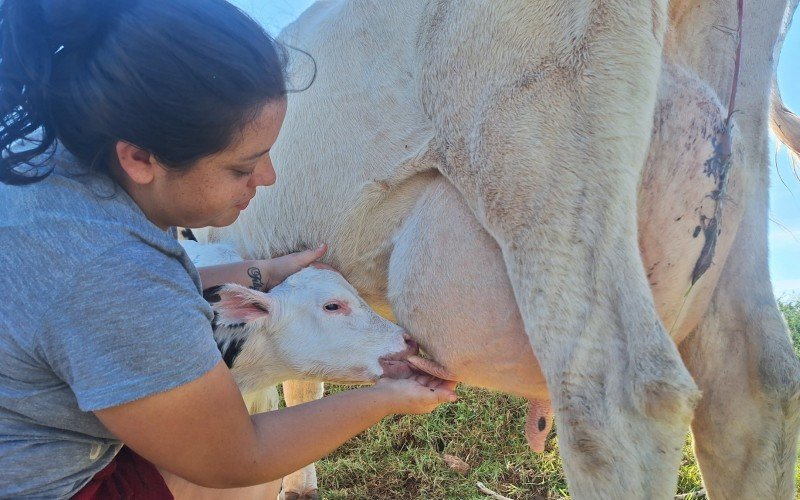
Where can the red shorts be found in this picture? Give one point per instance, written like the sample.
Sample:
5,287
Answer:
128,476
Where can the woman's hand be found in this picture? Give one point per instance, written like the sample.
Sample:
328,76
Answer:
418,394
261,274
278,269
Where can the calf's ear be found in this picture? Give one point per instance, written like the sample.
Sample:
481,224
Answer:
237,305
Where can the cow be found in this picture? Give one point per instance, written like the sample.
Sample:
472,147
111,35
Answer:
565,201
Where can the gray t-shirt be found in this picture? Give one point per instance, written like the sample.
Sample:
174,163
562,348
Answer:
98,307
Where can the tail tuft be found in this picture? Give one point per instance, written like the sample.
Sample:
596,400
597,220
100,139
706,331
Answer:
785,124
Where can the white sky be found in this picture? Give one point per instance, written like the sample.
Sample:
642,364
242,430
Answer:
784,228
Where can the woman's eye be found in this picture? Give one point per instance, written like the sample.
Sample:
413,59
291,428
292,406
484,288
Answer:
331,307
240,173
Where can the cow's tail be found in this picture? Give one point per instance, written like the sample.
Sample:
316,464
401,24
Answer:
784,123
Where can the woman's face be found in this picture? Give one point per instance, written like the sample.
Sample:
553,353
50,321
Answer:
215,190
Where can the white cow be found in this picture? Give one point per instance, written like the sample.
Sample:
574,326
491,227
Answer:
542,193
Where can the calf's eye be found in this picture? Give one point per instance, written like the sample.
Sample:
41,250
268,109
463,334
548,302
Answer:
332,307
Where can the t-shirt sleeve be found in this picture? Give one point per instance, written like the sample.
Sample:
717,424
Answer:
131,324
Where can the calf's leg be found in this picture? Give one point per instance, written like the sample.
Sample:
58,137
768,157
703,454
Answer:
302,484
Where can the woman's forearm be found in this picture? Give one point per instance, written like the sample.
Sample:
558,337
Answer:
201,431
249,273
261,274
311,431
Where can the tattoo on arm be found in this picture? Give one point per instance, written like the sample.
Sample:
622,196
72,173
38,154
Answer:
255,275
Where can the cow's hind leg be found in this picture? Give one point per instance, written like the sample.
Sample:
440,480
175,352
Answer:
746,424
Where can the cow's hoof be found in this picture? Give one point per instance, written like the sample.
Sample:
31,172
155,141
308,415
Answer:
306,495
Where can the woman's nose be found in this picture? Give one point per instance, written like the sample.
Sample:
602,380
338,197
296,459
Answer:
264,174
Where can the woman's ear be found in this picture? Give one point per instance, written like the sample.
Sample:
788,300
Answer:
137,163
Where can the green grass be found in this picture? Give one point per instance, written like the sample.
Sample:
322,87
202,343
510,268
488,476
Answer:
402,457
791,311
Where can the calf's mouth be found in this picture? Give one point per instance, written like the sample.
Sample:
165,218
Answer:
408,362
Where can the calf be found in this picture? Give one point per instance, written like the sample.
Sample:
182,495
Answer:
313,326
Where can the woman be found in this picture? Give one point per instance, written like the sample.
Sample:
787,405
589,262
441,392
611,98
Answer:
151,114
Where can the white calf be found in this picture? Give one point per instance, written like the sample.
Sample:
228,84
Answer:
313,326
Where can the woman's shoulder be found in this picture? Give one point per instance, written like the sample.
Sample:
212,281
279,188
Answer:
57,230
79,209
68,191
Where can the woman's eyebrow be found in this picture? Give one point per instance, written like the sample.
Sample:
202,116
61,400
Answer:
253,157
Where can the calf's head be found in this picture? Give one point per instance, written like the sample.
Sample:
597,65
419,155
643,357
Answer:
312,326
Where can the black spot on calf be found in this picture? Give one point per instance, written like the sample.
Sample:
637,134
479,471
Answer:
230,349
188,234
211,294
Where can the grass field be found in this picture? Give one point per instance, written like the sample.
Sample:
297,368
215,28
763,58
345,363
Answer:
404,456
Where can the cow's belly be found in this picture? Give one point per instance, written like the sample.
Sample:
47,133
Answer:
448,286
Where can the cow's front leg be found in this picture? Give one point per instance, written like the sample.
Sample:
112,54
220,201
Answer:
544,113
301,484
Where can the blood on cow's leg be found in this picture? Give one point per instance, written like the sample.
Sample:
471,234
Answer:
302,484
747,422
547,147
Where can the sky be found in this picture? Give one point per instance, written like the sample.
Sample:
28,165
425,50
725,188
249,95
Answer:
784,224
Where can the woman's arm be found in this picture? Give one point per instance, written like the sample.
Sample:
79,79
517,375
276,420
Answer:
202,432
259,274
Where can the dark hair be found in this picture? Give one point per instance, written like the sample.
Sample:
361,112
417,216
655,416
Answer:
178,78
